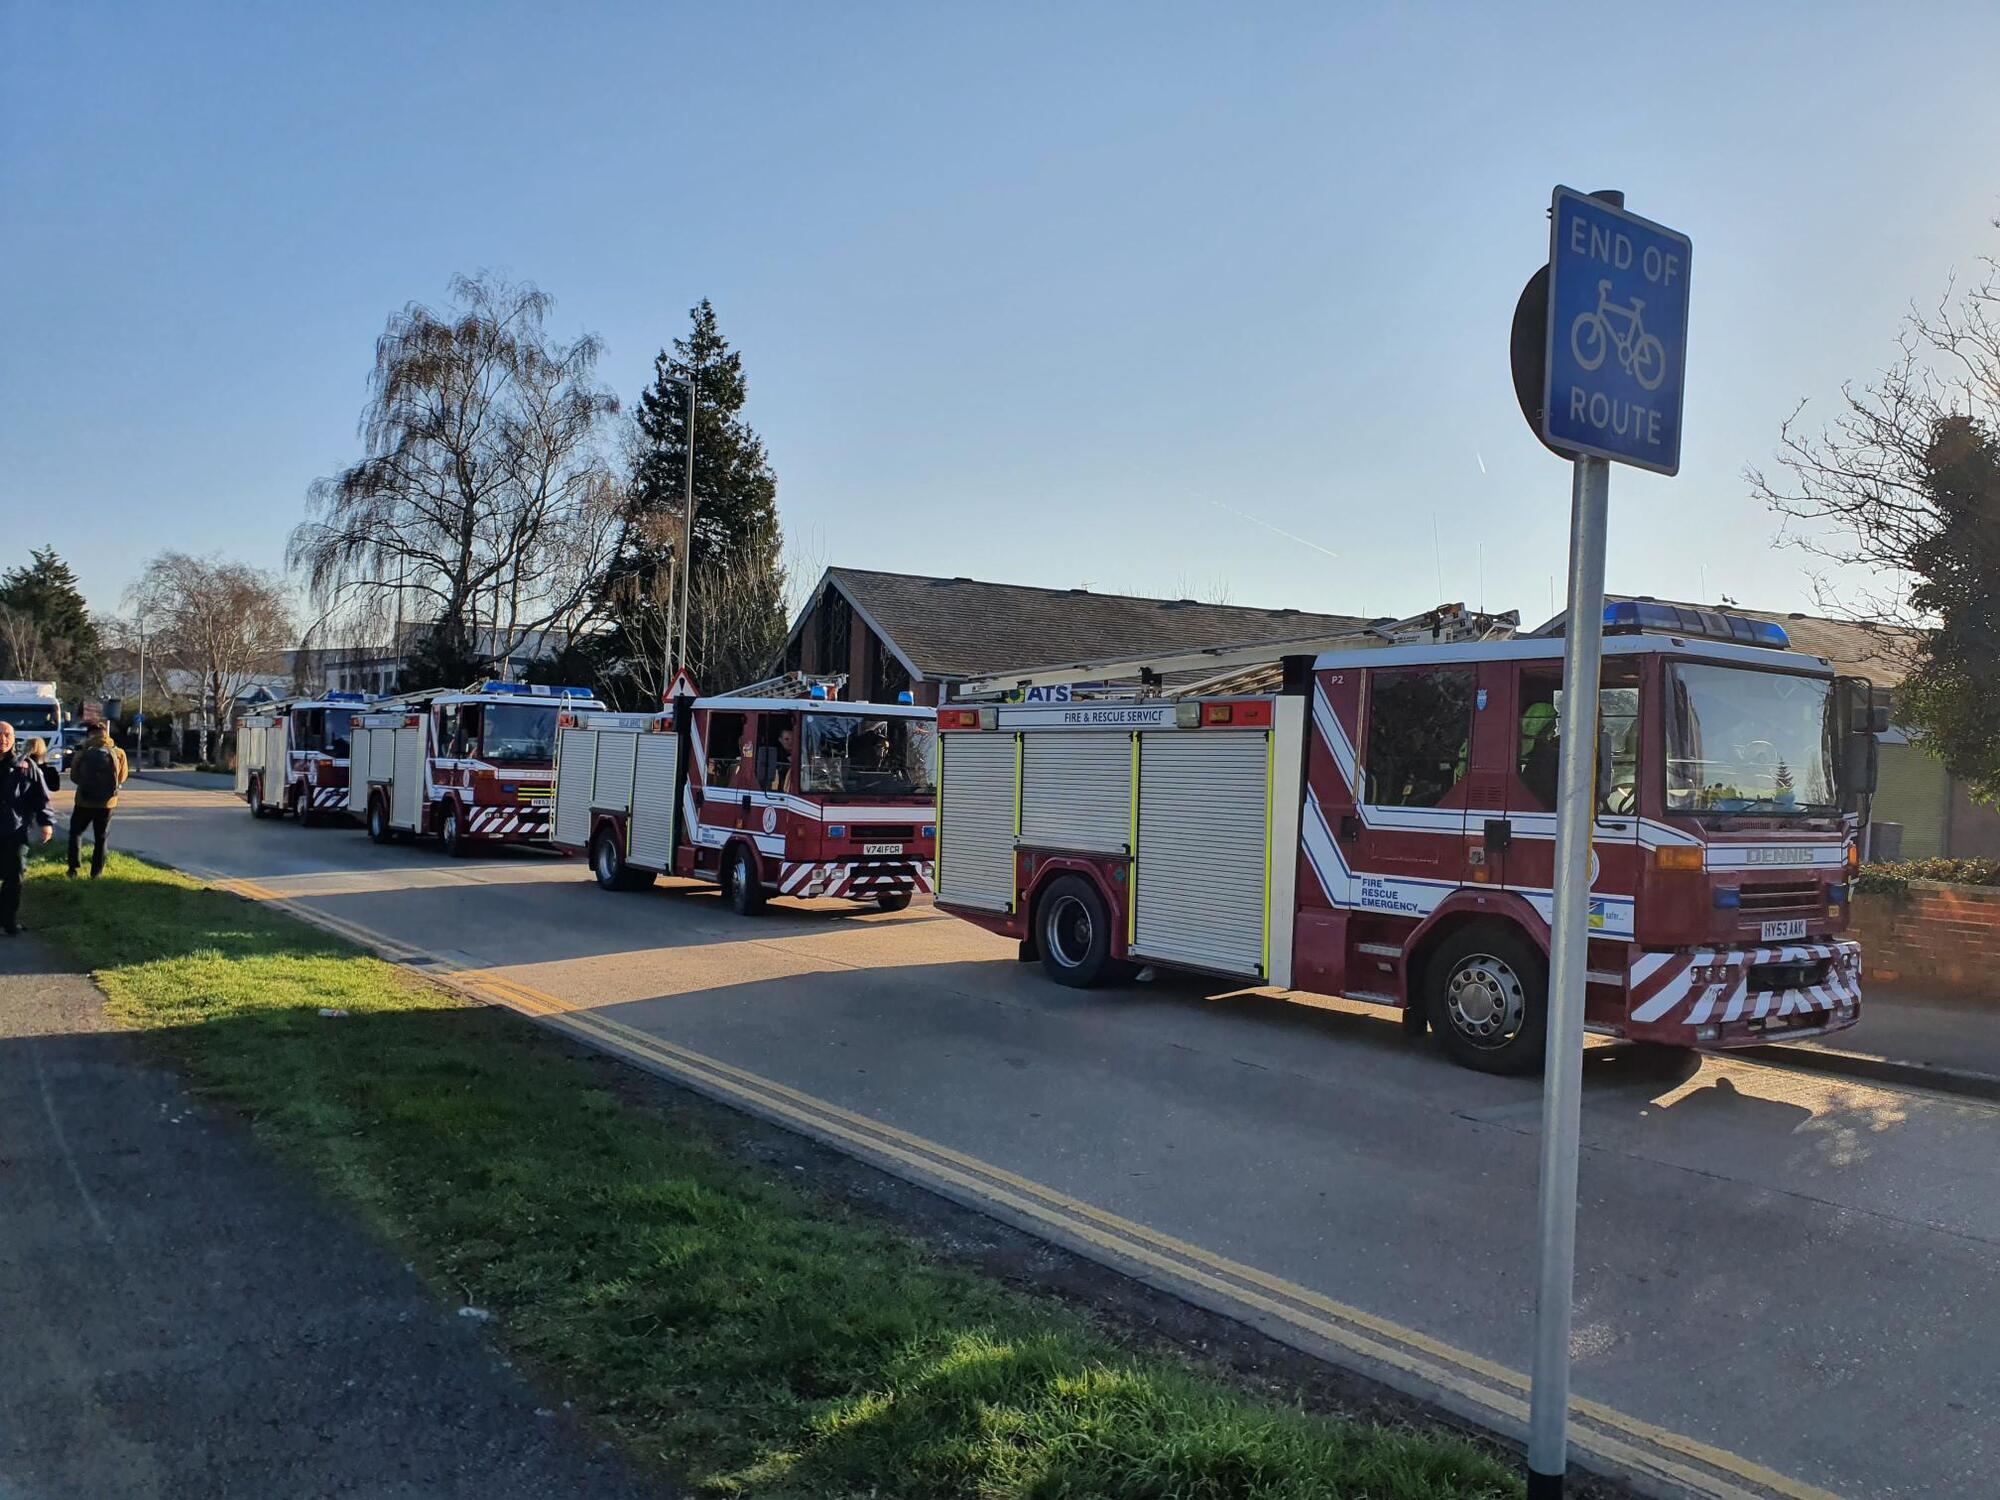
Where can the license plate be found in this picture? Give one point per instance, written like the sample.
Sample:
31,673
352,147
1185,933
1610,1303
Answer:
1777,932
881,848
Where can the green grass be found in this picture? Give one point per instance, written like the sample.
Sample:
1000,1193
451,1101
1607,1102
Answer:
753,1337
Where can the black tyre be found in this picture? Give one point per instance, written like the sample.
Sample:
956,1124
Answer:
378,821
1487,989
255,797
893,900
451,832
607,862
1073,933
746,891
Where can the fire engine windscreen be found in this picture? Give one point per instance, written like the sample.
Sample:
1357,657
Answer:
1742,741
519,734
857,755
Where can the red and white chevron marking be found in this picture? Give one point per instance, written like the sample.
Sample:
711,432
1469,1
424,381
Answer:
854,880
329,796
507,822
1663,987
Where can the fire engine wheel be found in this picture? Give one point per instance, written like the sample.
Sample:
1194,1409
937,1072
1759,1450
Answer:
893,900
255,797
1488,1000
1074,933
746,891
378,821
607,863
451,832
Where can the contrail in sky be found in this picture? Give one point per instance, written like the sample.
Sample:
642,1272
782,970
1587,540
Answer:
1260,521
1482,460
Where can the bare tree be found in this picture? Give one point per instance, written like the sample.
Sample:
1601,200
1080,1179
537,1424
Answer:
1861,492
1904,486
225,623
484,502
25,649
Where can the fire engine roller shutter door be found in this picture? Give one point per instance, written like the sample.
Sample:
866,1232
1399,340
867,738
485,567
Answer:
1076,790
576,770
976,821
1203,821
359,739
650,835
243,759
408,791
613,790
277,764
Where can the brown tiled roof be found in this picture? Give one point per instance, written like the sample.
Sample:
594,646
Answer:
961,627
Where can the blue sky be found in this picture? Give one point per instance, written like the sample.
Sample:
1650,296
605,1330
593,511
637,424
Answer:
1060,294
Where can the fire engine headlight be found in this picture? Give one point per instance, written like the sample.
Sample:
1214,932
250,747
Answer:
1708,1033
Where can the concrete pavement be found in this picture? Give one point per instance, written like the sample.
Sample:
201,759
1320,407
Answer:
1793,1269
185,1318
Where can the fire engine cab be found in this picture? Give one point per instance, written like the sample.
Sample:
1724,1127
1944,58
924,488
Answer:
473,767
763,792
292,757
1383,828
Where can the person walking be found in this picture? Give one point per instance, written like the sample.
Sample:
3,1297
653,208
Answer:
98,771
24,819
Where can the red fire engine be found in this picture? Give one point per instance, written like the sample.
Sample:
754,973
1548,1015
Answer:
292,757
472,767
762,793
1383,829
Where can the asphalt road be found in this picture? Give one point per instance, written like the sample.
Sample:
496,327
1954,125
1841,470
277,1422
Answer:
1798,1270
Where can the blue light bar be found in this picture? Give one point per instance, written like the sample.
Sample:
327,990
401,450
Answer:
906,696
495,685
345,697
1650,617
816,691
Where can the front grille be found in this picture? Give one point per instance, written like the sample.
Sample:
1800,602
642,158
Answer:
1794,976
881,833
1766,897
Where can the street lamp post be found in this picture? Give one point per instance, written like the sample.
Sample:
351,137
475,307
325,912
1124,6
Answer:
686,570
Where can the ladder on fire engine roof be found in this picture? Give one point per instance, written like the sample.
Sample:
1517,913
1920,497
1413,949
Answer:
792,685
1146,675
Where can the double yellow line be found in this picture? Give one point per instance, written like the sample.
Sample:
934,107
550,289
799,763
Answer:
1470,1384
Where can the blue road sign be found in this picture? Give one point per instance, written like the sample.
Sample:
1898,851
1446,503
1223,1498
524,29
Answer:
1618,311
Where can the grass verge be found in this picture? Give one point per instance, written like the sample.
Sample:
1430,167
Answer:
754,1338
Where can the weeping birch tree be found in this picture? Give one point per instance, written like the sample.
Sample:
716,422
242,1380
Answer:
483,506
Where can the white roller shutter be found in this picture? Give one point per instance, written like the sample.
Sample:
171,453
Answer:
359,739
1199,896
243,734
277,765
576,769
613,790
976,820
650,835
408,791
1076,790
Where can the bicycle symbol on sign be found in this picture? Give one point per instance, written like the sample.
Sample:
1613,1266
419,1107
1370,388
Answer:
1641,355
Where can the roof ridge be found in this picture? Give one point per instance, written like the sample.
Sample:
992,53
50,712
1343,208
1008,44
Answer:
1043,588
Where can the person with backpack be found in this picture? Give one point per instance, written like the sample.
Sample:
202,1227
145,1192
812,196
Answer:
98,771
24,820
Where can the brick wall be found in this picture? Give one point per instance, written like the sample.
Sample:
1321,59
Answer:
1941,939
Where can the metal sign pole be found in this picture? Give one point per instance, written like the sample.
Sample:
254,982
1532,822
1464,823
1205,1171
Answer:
1562,1091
